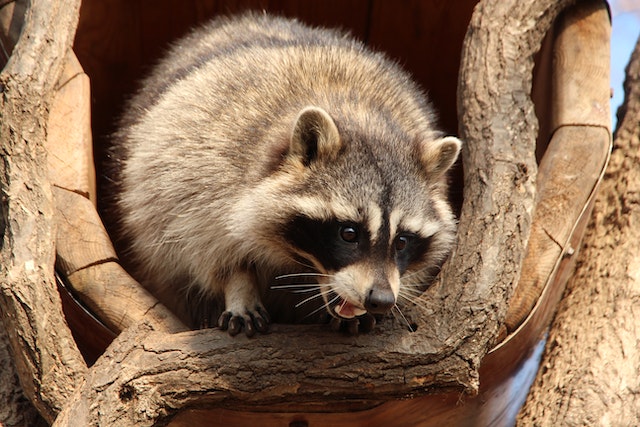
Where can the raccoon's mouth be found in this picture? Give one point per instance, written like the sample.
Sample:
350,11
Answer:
347,310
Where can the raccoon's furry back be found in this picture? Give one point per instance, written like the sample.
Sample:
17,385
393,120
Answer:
199,145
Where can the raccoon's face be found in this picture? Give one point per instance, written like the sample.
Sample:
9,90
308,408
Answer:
361,261
365,220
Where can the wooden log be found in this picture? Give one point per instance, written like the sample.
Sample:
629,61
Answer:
47,361
84,253
270,373
14,406
87,259
81,239
499,127
118,300
578,152
69,143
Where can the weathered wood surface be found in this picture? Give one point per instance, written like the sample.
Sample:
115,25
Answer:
578,152
47,360
84,253
157,372
15,408
87,259
498,124
70,163
589,374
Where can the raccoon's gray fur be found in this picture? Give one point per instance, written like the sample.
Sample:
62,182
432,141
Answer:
261,151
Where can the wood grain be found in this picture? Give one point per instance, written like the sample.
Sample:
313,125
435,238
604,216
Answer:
69,143
47,361
578,152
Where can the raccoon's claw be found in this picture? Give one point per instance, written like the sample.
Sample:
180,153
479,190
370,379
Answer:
251,321
364,323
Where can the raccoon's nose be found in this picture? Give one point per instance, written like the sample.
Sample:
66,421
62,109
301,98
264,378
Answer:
379,301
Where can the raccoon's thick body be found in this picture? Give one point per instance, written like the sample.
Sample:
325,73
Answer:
261,149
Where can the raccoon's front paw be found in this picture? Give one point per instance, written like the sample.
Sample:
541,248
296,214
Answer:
363,323
249,320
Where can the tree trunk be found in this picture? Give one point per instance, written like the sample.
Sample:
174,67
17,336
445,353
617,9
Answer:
15,408
589,373
46,359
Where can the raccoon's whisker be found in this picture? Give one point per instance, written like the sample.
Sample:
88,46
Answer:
417,282
420,286
311,298
415,291
413,300
304,291
331,301
415,286
287,276
415,279
420,273
310,267
393,313
410,275
410,295
324,306
403,318
296,286
410,298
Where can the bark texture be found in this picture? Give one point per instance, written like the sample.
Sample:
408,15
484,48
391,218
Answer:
15,408
47,361
589,373
499,169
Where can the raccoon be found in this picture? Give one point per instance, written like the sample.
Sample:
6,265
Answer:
265,154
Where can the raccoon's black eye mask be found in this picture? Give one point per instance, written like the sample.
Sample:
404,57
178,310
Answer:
337,244
333,243
410,250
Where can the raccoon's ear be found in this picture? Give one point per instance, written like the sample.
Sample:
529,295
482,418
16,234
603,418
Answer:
315,136
439,155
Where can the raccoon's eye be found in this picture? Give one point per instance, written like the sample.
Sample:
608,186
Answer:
402,241
349,233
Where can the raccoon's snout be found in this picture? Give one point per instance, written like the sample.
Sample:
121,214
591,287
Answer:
379,301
